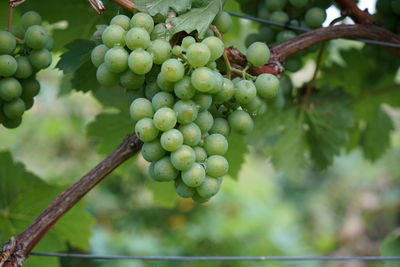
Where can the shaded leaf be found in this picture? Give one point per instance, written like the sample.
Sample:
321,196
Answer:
236,153
74,57
155,7
163,193
391,247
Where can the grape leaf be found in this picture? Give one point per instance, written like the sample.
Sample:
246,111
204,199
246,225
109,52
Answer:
391,247
162,7
237,150
23,197
74,57
163,193
196,19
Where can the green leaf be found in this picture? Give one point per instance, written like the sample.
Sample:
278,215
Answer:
163,193
84,78
391,247
73,58
236,153
23,196
154,7
196,19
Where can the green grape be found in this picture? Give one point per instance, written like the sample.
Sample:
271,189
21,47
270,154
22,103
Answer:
216,47
187,41
203,101
279,17
258,54
116,59
266,34
208,188
186,111
205,121
177,50
315,17
10,89
28,103
137,38
183,158
254,106
165,119
159,32
293,64
141,108
145,130
220,126
161,50
151,90
184,89
153,151
164,84
298,3
113,35
263,12
198,55
212,65
252,38
273,5
162,99
223,21
241,122
151,76
245,91
183,190
226,93
106,77
8,65
151,173
267,85
201,154
131,81
12,123
209,32
30,18
191,134
203,79
172,70
198,199
14,109
216,166
164,170
121,20
218,84
140,61
194,176
8,43
17,32
97,55
216,144
143,20
171,140
40,59
36,37
30,87
24,69
50,44
285,35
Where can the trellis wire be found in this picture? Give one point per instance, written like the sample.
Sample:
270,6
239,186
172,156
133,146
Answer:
302,29
216,258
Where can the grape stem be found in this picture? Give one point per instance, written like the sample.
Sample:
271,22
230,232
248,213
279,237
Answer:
127,4
350,8
229,68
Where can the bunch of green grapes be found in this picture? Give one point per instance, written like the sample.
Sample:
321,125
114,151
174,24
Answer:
23,52
303,13
183,108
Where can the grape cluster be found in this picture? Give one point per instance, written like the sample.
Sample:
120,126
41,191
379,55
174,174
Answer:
183,108
23,52
303,13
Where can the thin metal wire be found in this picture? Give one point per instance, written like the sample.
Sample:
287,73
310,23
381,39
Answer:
302,29
215,258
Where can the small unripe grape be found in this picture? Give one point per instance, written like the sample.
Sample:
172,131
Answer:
198,199
186,111
241,122
171,140
198,55
151,90
165,119
194,176
191,134
141,108
245,91
161,50
285,35
116,59
143,20
183,190
216,47
137,38
145,130
183,158
131,80
205,121
187,41
28,103
315,17
122,21
177,50
11,123
203,79
266,34
203,101
97,55
219,82
40,59
24,69
36,37
273,5
223,21
8,65
254,106
226,93
220,126
14,109
216,144
159,32
279,17
10,89
208,188
201,154
164,170
113,35
258,54
106,77
30,87
173,70
164,84
17,32
267,85
153,151
184,89
30,18
8,42
216,166
162,99
212,65
140,61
